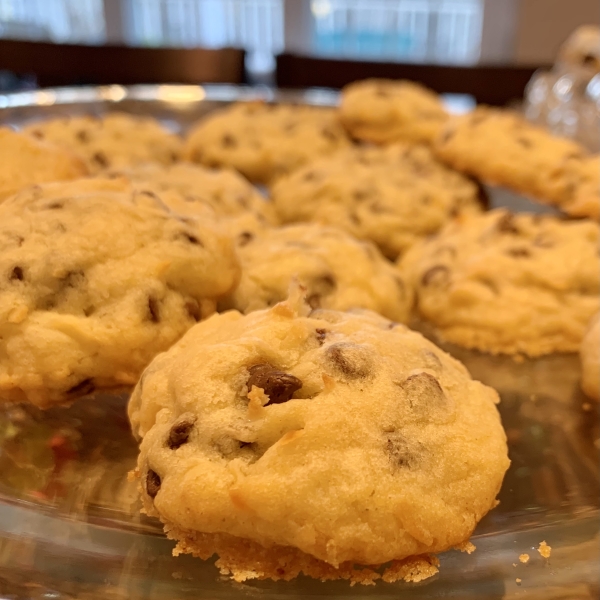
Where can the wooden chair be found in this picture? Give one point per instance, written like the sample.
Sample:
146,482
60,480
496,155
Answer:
67,64
495,85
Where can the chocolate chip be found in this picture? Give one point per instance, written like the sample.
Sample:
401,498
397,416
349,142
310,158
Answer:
16,274
54,206
193,309
330,135
319,287
321,335
424,394
278,385
351,360
360,195
401,452
83,136
519,252
153,310
101,159
507,224
244,238
152,483
437,275
82,388
524,142
179,434
228,141
192,239
73,279
589,59
36,133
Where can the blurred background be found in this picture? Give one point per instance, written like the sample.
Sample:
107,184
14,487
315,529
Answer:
463,33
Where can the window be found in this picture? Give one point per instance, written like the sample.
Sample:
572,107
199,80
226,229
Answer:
442,31
75,21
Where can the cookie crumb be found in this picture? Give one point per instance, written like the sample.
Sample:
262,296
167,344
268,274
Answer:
518,580
524,558
467,547
544,549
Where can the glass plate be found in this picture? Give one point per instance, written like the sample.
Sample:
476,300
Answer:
69,518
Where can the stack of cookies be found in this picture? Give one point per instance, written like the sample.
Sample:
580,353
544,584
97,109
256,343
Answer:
289,420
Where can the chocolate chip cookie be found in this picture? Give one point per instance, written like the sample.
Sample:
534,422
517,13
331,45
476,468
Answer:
384,111
264,141
502,148
295,439
226,192
337,271
116,140
508,283
94,282
590,359
393,195
26,161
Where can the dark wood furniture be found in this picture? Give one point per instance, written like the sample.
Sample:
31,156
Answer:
67,64
495,85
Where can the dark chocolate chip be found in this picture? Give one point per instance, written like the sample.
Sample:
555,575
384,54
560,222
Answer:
424,393
519,252
101,159
401,453
589,59
245,238
278,385
152,483
55,206
321,335
507,224
82,388
83,136
16,274
437,275
351,360
73,279
179,434
153,310
192,239
330,135
193,309
228,141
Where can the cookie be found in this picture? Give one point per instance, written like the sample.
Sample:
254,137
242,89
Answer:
501,148
223,190
26,161
264,141
290,438
116,140
590,359
94,282
508,283
582,50
337,271
384,111
393,195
